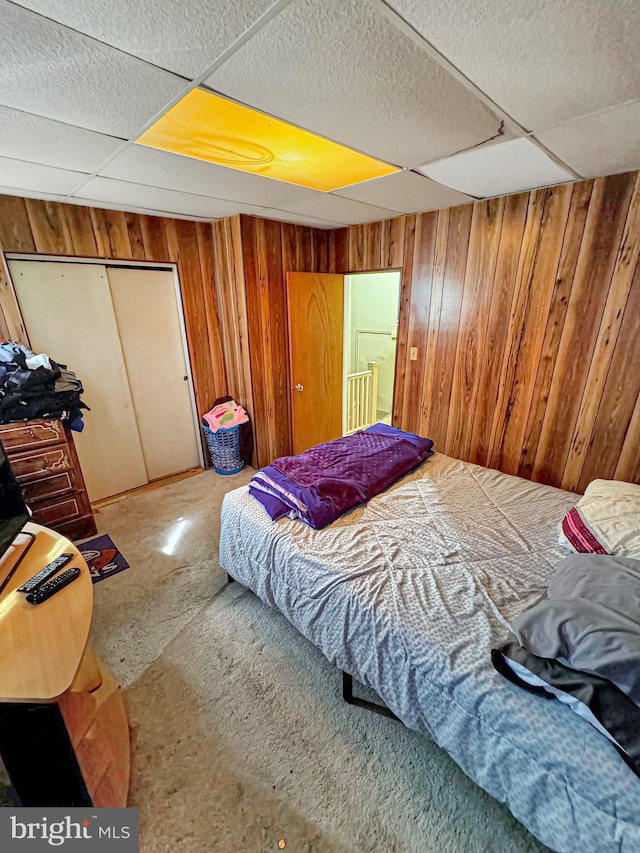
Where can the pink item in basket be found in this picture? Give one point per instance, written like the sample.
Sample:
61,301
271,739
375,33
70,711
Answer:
225,415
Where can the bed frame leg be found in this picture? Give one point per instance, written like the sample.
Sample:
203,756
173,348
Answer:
347,688
350,699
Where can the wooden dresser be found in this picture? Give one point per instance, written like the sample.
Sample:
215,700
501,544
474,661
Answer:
64,736
46,465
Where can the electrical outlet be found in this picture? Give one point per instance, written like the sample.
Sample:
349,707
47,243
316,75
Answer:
413,354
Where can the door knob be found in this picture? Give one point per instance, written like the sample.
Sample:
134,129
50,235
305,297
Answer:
299,387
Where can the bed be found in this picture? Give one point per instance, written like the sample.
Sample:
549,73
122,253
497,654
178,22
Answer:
408,594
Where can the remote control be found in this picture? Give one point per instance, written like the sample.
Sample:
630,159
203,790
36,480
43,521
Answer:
46,573
51,587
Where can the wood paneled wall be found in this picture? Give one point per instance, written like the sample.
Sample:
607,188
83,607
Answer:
50,228
525,310
255,257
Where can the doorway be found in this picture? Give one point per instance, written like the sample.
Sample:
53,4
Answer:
120,328
342,343
371,308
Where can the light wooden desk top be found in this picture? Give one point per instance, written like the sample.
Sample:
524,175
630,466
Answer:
41,646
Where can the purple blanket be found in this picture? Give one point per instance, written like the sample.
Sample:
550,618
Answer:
322,483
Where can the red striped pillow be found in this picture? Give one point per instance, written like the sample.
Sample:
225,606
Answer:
579,535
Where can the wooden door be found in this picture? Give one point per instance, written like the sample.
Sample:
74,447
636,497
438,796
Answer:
68,314
316,320
146,309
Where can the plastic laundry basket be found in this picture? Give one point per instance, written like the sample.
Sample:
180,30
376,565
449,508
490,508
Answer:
224,447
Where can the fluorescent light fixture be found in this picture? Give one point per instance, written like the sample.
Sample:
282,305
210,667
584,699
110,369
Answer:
212,128
507,167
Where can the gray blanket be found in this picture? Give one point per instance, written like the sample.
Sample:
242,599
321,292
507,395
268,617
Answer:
581,644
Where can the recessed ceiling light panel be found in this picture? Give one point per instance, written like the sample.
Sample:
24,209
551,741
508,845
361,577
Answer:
507,167
209,127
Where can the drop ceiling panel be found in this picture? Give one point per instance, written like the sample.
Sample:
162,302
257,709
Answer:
20,175
148,211
31,194
55,72
542,61
335,208
42,140
341,69
126,194
498,169
299,219
601,144
161,169
181,37
405,192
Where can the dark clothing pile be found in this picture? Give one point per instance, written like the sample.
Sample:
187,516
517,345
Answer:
581,644
36,386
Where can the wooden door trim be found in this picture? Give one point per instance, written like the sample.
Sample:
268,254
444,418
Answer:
287,277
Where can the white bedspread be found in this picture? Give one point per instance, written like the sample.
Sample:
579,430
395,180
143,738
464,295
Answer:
408,594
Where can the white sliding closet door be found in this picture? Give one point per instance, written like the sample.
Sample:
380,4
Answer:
148,318
68,313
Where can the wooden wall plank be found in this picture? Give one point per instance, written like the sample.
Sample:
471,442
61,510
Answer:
229,272
419,311
503,286
11,324
49,229
117,244
393,247
402,355
617,297
136,241
204,236
275,331
15,228
99,225
80,228
628,464
486,228
580,199
338,251
532,305
614,426
182,240
154,238
598,250
421,293
435,307
455,270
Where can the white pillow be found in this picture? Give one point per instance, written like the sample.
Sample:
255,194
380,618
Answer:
606,520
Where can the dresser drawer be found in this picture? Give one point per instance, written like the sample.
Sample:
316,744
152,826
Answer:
61,509
50,487
78,528
32,434
41,463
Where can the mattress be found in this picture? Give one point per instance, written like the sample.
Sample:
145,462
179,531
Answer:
408,594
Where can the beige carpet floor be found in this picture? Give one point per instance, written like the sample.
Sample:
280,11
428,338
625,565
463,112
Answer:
240,738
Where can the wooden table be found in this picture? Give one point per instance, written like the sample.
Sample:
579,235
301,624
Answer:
64,737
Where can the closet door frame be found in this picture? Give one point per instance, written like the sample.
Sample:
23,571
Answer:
136,265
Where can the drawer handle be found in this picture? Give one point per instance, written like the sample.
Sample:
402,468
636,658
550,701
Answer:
32,433
45,464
